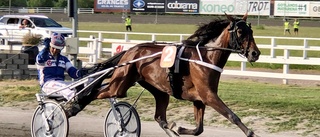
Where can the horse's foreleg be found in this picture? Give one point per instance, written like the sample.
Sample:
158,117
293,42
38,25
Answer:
220,107
199,109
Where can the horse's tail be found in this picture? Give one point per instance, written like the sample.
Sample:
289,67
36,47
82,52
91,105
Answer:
111,62
89,94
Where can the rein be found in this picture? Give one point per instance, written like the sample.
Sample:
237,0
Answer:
234,40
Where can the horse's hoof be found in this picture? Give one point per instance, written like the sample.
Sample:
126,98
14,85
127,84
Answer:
171,133
254,135
251,134
172,125
181,130
163,124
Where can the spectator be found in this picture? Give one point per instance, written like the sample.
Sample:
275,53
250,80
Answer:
286,27
128,22
296,24
25,23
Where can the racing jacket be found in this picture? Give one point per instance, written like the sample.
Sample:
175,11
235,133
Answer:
50,68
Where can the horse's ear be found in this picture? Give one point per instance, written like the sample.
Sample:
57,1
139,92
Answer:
245,16
230,18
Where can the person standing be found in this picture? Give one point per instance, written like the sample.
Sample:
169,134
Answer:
296,24
286,27
128,22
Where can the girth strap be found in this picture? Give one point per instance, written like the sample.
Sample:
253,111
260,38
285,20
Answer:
175,76
177,60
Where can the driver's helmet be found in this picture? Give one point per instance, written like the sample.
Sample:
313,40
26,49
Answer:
57,41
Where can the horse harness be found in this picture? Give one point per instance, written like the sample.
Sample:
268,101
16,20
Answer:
174,72
234,40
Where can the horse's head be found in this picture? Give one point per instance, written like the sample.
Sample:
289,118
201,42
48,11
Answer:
241,38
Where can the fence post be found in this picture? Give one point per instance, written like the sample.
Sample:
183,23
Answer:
153,37
243,65
6,41
126,37
272,50
181,37
91,46
95,49
286,55
99,44
305,46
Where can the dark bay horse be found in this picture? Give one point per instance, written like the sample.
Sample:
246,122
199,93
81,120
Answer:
195,78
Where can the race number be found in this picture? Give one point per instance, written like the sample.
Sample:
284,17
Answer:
168,56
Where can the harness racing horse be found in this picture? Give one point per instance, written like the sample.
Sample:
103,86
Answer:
202,57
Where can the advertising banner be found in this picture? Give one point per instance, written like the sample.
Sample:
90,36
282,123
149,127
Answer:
112,5
235,7
291,8
314,10
182,6
118,47
148,6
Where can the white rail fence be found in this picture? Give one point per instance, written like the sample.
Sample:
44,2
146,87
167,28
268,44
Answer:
93,52
46,10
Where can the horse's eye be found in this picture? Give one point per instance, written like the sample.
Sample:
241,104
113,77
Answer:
239,31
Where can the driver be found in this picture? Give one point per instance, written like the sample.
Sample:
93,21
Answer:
51,66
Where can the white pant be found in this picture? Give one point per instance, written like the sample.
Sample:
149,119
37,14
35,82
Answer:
53,85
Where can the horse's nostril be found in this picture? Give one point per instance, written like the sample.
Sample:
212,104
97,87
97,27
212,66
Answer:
254,53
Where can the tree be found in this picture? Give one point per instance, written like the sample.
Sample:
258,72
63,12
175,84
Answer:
40,3
61,3
85,3
14,3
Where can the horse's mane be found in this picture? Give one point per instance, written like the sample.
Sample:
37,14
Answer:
206,32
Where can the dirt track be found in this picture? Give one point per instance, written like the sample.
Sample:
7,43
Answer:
16,122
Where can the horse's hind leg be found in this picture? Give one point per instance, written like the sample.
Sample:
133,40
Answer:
220,107
122,79
199,109
162,101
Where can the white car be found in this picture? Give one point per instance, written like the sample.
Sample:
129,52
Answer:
39,24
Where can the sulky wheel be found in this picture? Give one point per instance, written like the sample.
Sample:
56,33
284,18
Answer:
128,123
49,120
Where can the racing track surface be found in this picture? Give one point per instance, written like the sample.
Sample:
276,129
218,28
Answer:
15,122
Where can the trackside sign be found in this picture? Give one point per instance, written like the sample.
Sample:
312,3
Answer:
112,5
291,8
118,47
236,7
183,6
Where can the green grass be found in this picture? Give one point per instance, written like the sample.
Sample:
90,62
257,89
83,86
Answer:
287,107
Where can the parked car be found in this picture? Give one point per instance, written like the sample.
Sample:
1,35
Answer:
38,24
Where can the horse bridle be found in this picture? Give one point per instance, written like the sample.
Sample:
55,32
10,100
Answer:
235,42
